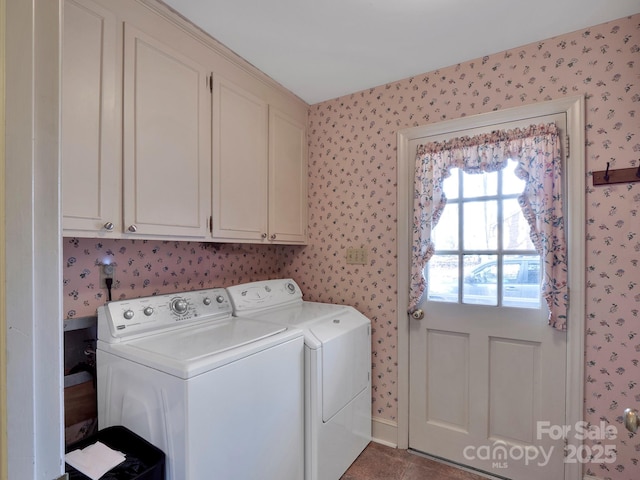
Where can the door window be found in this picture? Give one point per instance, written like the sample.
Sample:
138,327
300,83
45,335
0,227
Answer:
483,252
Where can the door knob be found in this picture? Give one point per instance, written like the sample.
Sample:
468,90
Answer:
108,226
132,228
417,314
631,420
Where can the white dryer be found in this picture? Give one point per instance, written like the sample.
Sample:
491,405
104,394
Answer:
221,396
337,370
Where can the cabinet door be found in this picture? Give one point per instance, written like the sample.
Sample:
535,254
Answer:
167,139
89,137
239,164
287,179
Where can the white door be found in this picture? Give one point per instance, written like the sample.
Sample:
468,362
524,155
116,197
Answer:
485,367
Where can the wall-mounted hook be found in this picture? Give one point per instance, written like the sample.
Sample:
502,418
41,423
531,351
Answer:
611,176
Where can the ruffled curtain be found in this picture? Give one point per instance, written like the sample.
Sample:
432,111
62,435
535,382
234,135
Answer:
537,151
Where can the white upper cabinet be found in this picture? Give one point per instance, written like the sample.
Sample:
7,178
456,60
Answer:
166,134
90,142
287,179
259,170
240,156
167,131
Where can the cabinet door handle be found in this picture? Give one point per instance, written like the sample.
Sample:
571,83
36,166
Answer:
108,226
273,237
264,235
132,228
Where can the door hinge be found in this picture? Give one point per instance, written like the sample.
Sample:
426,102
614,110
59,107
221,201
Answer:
211,83
211,224
568,148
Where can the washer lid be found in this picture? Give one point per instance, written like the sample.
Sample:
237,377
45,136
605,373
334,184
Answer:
191,351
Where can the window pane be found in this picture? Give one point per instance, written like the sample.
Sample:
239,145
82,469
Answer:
515,229
480,285
480,225
521,281
445,235
450,185
442,284
479,184
511,184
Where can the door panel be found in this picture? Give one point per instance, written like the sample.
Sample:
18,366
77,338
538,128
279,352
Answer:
89,135
447,362
287,179
167,139
240,137
513,362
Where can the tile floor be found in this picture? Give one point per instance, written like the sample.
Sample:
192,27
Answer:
378,462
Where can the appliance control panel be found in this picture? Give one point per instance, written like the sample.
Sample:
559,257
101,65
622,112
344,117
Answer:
125,318
255,296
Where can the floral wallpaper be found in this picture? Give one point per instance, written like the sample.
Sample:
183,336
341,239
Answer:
352,203
149,267
352,168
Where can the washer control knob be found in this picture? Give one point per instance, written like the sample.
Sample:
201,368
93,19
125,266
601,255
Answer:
291,288
148,311
128,314
179,305
220,299
206,301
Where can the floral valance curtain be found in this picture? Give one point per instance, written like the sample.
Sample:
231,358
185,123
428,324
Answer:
537,151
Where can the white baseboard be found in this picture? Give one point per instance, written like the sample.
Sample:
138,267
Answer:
385,432
590,477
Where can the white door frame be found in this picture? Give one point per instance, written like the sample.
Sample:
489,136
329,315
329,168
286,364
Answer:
33,241
575,176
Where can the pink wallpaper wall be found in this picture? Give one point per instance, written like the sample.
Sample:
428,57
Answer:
352,149
148,267
352,159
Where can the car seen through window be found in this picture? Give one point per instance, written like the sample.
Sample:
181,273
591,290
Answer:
518,275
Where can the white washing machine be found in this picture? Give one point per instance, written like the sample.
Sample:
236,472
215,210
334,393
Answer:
337,370
223,397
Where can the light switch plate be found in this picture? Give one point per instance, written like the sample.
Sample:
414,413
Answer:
357,256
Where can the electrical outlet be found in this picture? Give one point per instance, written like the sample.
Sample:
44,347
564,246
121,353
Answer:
357,256
107,271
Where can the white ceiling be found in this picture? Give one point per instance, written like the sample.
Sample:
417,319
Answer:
322,49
